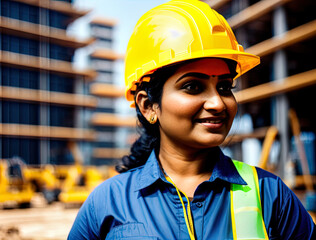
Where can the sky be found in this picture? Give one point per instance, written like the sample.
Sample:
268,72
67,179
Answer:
126,12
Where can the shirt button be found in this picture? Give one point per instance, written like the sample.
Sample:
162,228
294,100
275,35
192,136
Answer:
199,204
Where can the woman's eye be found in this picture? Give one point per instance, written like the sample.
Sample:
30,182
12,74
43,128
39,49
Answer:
192,87
225,87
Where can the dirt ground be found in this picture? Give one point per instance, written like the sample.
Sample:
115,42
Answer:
40,222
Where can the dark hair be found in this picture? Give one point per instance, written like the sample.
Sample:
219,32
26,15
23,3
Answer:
149,133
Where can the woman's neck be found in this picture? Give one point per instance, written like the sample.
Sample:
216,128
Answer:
187,169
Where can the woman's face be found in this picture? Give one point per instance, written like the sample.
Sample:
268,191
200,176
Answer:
197,106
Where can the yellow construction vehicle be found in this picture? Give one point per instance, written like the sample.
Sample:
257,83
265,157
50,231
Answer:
79,183
70,184
14,188
43,179
80,180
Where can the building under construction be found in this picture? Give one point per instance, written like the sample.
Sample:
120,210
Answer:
113,130
43,101
283,34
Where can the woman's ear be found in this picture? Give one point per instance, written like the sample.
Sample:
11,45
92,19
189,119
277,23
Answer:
147,108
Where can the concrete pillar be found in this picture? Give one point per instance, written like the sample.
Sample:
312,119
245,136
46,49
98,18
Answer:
280,104
44,85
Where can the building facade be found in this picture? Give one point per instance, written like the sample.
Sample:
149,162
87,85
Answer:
113,129
44,103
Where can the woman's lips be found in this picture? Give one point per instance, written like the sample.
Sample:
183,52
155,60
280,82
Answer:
211,123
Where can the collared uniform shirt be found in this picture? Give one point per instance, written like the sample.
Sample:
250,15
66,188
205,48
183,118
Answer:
142,204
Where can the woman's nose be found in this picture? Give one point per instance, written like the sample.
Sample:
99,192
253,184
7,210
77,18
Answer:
214,103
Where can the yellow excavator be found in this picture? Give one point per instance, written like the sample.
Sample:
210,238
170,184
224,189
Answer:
14,187
44,179
70,184
80,180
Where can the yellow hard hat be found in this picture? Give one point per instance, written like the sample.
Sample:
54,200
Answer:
176,31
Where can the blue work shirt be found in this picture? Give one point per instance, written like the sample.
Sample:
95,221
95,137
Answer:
142,204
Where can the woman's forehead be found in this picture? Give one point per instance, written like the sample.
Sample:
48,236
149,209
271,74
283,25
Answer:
209,66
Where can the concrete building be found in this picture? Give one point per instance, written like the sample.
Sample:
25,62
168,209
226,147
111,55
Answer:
44,104
283,34
113,130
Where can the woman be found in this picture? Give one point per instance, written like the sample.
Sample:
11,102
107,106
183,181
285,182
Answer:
181,64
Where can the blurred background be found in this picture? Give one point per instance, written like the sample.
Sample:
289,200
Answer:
64,122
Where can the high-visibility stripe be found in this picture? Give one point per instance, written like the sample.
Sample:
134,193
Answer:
246,210
232,214
259,198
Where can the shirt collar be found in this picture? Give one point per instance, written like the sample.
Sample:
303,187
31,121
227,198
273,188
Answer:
224,169
150,173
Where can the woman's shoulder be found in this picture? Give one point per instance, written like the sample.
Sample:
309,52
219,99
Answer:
118,182
272,185
266,176
283,211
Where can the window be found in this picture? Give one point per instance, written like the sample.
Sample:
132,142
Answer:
29,79
14,10
105,136
61,116
69,1
59,153
19,45
105,77
105,105
60,53
14,77
8,78
102,43
24,13
105,102
105,110
5,42
101,64
58,20
24,46
20,113
14,44
103,144
60,83
5,8
33,14
101,32
27,149
20,11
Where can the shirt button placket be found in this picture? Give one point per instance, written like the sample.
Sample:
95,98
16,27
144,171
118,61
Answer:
198,212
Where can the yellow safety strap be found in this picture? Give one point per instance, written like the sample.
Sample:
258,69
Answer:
187,213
